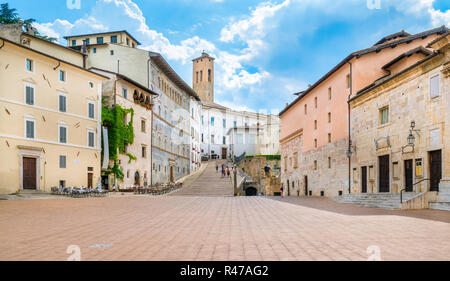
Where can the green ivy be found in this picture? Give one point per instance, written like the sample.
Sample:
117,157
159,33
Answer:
132,157
119,134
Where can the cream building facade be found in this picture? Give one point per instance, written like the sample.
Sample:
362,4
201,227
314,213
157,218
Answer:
50,116
400,128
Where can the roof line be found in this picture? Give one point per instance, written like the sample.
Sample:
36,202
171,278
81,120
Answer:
419,49
52,57
53,43
390,77
107,32
359,53
182,84
126,78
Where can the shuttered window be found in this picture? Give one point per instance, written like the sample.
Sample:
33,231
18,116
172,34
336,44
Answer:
384,115
62,134
62,162
91,139
29,129
62,103
91,110
29,95
434,86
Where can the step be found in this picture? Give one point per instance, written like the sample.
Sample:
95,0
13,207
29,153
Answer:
443,206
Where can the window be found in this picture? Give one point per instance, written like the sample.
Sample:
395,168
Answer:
62,76
315,143
143,126
202,138
29,95
329,117
329,138
315,102
29,65
203,120
99,40
29,129
295,159
434,86
114,39
235,124
62,103
306,109
224,123
91,85
315,165
201,75
212,121
128,42
329,162
87,41
348,81
315,124
212,139
144,152
62,130
196,76
209,75
62,162
91,110
74,42
240,139
112,52
91,139
384,115
224,140
252,139
329,93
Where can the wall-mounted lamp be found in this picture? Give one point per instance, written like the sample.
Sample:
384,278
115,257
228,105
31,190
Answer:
411,139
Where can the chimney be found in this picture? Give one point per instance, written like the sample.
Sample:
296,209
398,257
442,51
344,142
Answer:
287,104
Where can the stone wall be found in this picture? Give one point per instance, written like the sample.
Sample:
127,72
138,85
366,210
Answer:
268,183
298,169
11,32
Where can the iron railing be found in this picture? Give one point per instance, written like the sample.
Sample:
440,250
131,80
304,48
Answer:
401,192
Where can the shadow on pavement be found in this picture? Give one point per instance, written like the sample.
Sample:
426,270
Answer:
329,205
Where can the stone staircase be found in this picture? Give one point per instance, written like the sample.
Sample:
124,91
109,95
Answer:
376,200
443,206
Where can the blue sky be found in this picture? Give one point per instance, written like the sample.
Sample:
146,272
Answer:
265,50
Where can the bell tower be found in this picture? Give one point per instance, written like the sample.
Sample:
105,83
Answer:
203,77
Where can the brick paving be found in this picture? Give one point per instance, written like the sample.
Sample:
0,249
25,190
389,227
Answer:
206,228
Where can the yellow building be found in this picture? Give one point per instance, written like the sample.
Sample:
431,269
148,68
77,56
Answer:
50,114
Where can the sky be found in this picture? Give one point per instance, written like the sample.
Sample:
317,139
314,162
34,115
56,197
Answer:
265,50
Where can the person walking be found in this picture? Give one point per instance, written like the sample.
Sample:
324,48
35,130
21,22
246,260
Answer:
282,191
217,168
228,172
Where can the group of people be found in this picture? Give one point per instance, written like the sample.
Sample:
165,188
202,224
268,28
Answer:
225,170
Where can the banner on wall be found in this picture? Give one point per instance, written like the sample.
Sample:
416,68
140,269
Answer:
105,149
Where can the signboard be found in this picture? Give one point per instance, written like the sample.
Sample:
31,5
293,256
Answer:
419,170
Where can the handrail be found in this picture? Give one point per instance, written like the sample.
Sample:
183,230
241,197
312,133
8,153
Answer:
401,192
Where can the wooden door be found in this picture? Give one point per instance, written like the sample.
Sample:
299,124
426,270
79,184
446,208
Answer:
29,173
90,180
288,188
435,169
364,180
224,153
383,178
409,175
306,185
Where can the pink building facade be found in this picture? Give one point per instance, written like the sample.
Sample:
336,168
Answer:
315,127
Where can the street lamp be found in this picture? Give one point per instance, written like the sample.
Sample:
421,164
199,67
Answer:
411,139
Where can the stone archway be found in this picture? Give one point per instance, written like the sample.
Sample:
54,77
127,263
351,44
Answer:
251,191
137,178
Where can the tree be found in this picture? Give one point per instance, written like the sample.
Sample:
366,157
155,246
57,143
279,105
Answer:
10,16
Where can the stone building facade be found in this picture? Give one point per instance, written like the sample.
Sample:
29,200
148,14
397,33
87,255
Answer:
321,115
400,126
127,93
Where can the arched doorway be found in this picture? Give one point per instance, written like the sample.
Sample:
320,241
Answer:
137,179
251,191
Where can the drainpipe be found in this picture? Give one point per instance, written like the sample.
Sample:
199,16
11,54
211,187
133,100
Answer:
349,152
